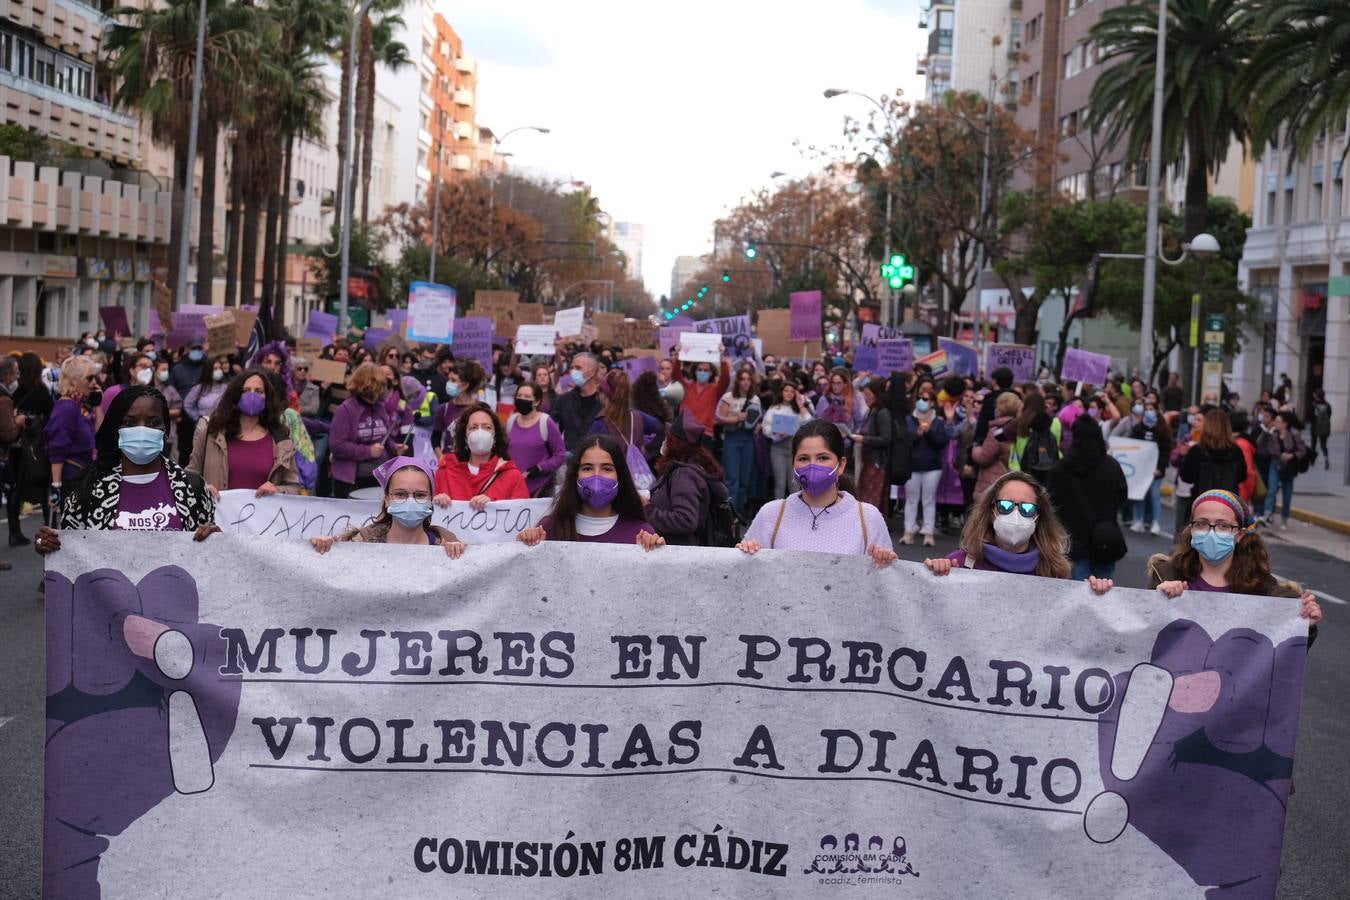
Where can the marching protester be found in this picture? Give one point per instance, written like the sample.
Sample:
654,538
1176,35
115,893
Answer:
1036,449
1288,457
738,412
1149,425
1215,461
876,438
703,392
688,485
1219,550
27,473
928,437
363,434
535,441
577,409
200,401
69,431
779,424
597,502
140,370
545,394
1088,487
405,512
632,428
132,486
1240,424
478,467
992,457
463,383
244,445
825,516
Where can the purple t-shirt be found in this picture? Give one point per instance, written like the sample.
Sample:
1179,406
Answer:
146,503
250,462
1200,584
623,531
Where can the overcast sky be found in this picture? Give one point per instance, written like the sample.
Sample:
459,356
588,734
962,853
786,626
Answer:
673,112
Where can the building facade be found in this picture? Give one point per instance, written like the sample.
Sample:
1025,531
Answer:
967,41
681,274
627,236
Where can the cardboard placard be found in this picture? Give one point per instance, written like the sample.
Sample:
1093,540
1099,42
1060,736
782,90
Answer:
244,320
327,370
529,314
220,334
309,347
635,334
606,327
775,330
500,306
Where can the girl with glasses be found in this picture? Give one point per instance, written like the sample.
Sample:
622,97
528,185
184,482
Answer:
1013,528
405,512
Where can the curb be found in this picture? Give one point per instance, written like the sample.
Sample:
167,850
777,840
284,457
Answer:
1331,524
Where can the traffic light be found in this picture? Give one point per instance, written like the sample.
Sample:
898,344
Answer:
897,271
726,276
751,251
702,292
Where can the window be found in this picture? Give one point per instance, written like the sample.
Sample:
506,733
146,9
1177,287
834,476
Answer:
1015,35
1315,196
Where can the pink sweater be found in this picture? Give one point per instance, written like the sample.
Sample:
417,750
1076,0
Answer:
838,530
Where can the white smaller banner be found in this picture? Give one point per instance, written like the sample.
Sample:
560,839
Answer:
696,347
1139,460
295,516
569,321
431,313
536,340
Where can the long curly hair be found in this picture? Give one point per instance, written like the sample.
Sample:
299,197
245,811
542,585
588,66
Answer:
1050,537
225,417
500,446
567,504
1249,573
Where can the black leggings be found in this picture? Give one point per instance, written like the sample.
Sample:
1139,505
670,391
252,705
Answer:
343,489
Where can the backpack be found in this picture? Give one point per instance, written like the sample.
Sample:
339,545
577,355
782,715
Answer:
1304,456
543,425
1040,454
722,526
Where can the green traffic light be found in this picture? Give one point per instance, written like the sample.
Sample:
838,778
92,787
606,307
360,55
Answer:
751,251
726,276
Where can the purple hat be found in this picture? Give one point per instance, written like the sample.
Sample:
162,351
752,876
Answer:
386,470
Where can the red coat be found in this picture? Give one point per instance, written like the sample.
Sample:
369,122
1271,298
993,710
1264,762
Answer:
1248,488
454,478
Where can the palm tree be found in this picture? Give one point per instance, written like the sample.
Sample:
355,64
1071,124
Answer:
1299,77
378,46
150,54
1208,44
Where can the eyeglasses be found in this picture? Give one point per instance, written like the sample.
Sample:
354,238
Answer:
404,496
302,368
1223,529
1005,508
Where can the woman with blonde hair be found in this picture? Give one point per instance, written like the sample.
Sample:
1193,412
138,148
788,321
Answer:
364,433
1012,527
993,455
70,429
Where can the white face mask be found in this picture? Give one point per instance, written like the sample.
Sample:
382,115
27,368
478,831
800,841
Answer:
143,376
1013,530
480,441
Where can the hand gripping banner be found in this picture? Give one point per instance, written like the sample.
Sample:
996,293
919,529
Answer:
245,717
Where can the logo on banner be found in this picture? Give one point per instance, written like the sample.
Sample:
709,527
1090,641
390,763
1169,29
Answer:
846,855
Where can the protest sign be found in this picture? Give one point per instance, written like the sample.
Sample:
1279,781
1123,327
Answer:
775,330
697,347
473,338
500,306
114,319
607,327
670,337
784,423
431,313
568,322
536,340
244,320
190,324
327,371
1138,460
321,325
805,318
529,314
866,358
635,367
937,362
634,334
871,333
894,355
155,326
309,347
398,321
294,516
1017,357
220,334
962,359
374,337
382,721
735,332
1085,367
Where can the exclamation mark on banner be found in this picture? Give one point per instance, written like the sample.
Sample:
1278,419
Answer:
189,753
1141,713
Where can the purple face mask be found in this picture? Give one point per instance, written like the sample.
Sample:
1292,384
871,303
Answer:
816,479
597,491
251,404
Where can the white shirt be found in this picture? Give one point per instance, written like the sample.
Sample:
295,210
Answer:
593,526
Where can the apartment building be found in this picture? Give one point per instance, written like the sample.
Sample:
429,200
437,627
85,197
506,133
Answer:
681,274
967,41
1297,262
84,225
627,236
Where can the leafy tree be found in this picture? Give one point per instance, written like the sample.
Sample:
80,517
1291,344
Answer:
379,45
369,243
22,145
1208,43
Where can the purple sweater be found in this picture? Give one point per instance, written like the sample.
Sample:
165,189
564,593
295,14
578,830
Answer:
347,448
529,451
70,435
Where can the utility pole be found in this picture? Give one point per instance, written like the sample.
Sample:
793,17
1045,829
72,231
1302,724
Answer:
185,226
435,222
984,201
1154,176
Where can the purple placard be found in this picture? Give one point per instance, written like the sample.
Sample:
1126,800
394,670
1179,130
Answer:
670,336
684,323
1084,366
962,358
374,337
805,319
866,358
192,324
397,317
635,367
735,332
321,324
894,355
177,340
155,327
1017,357
473,339
115,320
873,333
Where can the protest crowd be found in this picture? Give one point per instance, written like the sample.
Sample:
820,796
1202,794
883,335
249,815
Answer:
752,451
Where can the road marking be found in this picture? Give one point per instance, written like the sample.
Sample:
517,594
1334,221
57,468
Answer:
1323,594
4,719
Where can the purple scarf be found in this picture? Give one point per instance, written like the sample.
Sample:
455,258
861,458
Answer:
1023,563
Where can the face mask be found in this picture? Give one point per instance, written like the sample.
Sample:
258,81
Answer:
1013,530
1137,409
91,343
816,479
703,376
101,336
410,513
217,375
1151,417
451,390
922,406
143,376
1095,413
578,377
98,368
152,354
139,444
1213,547
163,376
196,355
251,404
597,490
524,407
480,441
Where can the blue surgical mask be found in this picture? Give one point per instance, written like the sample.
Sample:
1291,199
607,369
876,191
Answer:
451,390
1137,409
703,376
921,406
1213,547
410,513
1151,417
140,444
196,355
578,377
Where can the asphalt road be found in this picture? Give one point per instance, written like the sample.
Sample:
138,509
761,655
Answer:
1319,816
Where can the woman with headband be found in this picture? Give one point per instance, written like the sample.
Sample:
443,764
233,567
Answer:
405,511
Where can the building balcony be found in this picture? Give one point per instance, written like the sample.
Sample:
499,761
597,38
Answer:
70,25
464,131
73,120
460,162
50,199
463,98
466,65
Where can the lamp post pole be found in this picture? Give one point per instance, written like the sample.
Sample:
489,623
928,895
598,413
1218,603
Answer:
348,158
1154,176
185,226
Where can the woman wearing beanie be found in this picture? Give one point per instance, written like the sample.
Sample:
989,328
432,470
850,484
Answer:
405,512
1219,550
688,485
824,517
1013,528
245,446
478,467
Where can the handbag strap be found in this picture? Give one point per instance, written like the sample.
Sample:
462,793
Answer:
778,523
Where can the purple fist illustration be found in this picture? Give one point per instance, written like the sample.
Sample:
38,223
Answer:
136,710
1197,754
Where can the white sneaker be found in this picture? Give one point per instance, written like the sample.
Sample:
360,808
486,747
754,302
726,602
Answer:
1284,526
1155,529
928,541
907,537
1137,527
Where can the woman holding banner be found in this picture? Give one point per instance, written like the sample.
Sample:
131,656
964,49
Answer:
824,517
478,467
597,503
245,445
133,486
405,512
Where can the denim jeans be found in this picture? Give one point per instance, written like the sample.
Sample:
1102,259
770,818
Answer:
1283,484
1084,567
738,459
1149,510
780,459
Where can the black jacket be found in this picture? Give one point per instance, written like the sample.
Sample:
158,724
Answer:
1101,485
1207,471
681,502
574,414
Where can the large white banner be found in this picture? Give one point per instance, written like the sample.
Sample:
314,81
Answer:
245,717
294,516
1138,460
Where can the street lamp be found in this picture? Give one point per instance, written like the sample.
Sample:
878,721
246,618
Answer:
1154,176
